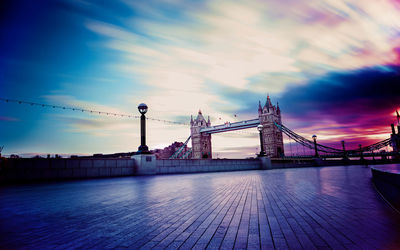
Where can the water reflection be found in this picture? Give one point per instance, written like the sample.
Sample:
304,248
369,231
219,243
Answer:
299,184
159,195
322,180
328,180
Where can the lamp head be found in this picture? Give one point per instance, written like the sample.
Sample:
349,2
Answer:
142,108
314,137
260,127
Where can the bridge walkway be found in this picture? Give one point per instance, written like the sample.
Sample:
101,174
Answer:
330,207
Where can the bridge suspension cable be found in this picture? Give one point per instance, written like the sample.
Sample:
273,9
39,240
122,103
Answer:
177,152
375,146
186,155
326,149
305,142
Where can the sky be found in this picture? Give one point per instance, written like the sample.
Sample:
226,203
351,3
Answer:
333,66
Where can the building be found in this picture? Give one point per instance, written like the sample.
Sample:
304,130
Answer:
272,136
201,142
167,152
268,115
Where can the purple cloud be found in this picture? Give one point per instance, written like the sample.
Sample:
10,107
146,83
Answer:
359,104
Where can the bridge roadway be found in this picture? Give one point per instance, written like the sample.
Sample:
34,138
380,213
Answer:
231,126
329,207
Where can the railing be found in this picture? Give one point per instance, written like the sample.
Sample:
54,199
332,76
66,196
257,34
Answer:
176,154
186,155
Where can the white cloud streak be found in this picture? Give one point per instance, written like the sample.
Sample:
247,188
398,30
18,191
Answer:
241,44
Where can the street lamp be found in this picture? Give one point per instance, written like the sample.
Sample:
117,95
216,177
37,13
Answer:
143,149
315,146
262,152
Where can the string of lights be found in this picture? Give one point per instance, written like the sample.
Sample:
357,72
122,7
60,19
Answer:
98,112
91,111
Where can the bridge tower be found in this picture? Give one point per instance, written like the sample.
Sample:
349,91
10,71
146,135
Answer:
395,140
272,136
201,142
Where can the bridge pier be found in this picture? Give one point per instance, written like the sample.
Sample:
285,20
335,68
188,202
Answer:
265,162
145,164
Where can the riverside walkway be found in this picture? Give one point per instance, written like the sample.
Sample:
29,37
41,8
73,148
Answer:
329,207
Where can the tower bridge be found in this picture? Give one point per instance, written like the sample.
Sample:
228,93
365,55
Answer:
272,130
268,115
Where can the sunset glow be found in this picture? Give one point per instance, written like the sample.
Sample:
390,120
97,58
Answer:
333,66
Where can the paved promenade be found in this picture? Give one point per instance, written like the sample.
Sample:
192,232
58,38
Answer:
331,207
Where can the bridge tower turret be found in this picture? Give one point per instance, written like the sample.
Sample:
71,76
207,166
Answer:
201,142
272,136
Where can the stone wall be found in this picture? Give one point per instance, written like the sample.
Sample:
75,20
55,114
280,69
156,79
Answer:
205,165
296,163
388,184
51,169
42,169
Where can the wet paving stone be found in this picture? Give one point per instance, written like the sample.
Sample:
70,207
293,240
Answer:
308,208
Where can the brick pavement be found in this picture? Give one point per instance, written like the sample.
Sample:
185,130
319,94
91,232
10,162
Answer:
309,208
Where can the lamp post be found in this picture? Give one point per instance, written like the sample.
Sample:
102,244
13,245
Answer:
315,146
262,152
143,149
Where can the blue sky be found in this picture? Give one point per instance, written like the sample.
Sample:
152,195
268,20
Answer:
333,66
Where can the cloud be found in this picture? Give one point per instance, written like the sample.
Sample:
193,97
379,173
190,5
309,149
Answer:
92,123
244,45
98,126
356,105
319,59
368,90
116,130
236,152
8,119
71,101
